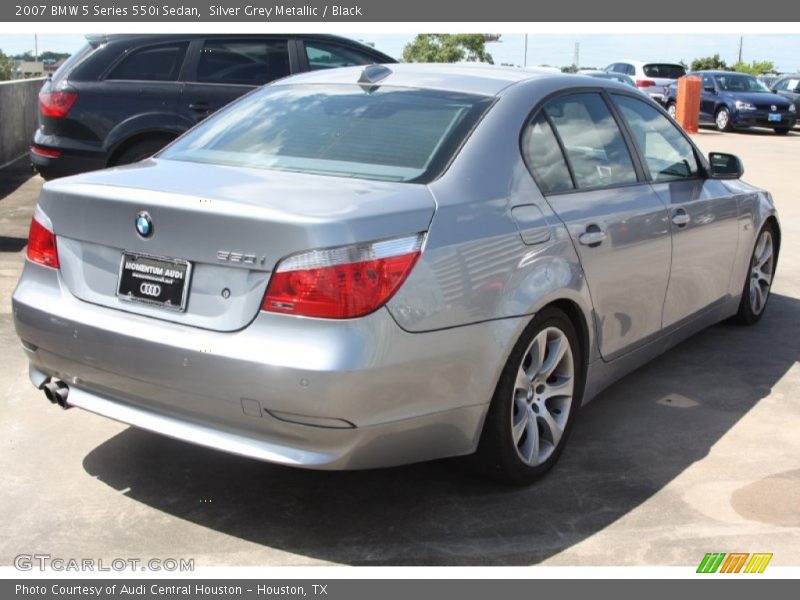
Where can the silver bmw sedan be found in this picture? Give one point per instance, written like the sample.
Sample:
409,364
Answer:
374,266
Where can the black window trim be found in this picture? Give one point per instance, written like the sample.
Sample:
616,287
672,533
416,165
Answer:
642,175
702,167
186,43
189,72
636,155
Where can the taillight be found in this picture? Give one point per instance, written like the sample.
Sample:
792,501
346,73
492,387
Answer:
643,83
48,152
42,245
343,282
56,104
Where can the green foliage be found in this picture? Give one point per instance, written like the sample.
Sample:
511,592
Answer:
709,63
447,48
569,69
6,67
755,67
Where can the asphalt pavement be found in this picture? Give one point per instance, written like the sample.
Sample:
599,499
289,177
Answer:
698,451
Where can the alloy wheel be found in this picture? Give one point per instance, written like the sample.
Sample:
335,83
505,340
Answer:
542,396
761,271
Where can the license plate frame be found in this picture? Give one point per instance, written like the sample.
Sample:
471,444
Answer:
169,277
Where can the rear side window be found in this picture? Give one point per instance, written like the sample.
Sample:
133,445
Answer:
592,140
391,134
544,158
666,152
154,63
331,56
243,62
665,71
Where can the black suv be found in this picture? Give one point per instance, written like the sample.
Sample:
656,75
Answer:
121,98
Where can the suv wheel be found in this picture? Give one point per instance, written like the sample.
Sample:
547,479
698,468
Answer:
140,150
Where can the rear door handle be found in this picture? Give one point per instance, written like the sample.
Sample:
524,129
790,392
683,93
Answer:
593,236
681,218
200,106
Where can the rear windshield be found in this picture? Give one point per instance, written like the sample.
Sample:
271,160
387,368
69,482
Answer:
665,71
392,134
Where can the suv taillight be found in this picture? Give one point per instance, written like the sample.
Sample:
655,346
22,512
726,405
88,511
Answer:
42,245
56,104
344,282
643,83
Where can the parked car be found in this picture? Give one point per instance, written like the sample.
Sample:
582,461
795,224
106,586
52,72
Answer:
650,77
374,266
788,86
620,77
732,100
123,97
768,79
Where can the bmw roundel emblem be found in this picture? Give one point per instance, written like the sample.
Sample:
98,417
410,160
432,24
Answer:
144,224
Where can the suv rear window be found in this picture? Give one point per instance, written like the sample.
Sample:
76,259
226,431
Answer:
153,63
663,70
392,134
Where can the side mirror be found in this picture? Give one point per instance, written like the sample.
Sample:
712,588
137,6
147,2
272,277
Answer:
710,89
725,166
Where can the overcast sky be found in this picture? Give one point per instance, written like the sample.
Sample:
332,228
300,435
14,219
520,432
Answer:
596,50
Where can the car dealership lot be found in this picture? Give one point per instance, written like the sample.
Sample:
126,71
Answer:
696,452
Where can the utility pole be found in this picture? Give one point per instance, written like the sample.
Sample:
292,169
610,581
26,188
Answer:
741,40
525,58
576,59
35,47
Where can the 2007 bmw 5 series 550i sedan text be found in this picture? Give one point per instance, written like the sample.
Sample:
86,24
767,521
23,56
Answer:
373,266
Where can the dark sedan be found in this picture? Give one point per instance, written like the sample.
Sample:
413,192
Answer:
788,86
736,101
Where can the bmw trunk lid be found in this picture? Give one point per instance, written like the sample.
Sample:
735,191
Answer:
221,228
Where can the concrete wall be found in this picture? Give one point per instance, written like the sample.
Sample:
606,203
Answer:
19,110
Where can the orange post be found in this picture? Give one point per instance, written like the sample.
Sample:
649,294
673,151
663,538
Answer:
687,108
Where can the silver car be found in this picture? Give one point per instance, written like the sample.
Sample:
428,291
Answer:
368,267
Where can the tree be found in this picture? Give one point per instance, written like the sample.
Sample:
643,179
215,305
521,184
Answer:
709,63
6,67
755,67
448,48
569,69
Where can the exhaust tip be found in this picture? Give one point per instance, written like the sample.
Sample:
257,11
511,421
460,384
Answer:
56,391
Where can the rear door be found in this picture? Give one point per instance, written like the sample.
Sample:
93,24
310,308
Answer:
703,213
618,224
141,88
219,70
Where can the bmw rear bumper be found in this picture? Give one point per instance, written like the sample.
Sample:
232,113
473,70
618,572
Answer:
324,394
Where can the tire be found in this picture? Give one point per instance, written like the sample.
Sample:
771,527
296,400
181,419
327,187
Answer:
529,421
758,284
723,119
671,109
782,130
140,150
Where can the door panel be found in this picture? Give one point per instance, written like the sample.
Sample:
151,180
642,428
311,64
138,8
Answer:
627,272
617,223
222,70
703,250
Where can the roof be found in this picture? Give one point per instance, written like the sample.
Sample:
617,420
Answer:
475,78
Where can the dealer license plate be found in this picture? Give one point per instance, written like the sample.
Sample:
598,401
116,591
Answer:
153,280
